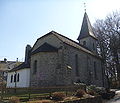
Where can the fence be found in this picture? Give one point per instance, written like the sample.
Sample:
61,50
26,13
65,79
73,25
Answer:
30,93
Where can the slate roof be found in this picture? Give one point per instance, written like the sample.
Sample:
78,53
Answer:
73,43
86,28
21,66
70,42
45,48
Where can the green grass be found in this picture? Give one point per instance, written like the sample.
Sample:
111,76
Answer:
25,97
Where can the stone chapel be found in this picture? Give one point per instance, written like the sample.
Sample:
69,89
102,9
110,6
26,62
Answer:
57,60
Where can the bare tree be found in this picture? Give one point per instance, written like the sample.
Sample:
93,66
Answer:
108,33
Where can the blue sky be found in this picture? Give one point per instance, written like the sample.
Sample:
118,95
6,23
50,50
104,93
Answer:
23,21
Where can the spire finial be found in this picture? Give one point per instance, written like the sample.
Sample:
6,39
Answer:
85,7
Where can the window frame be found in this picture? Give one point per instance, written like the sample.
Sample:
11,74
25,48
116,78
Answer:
76,65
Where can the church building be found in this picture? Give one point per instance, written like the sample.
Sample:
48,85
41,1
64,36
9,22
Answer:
56,60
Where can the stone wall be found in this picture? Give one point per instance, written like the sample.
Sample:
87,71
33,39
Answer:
85,66
59,68
46,69
49,66
89,43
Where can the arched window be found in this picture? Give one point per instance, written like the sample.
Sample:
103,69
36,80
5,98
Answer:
76,65
95,70
35,67
11,79
18,77
15,78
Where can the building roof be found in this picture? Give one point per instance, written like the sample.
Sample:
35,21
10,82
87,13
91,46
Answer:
8,65
21,66
45,48
86,28
70,42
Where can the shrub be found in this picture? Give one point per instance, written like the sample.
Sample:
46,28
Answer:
108,95
91,87
58,96
100,90
91,92
80,93
14,99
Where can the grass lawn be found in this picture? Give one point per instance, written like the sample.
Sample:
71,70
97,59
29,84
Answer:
25,97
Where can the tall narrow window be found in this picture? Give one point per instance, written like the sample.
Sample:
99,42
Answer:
35,67
18,77
84,43
15,78
11,79
95,71
93,46
76,65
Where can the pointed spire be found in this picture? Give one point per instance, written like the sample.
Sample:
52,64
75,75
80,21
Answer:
86,28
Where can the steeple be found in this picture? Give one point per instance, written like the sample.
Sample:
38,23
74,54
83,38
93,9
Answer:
87,37
86,28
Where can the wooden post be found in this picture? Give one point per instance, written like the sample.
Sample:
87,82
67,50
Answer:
29,91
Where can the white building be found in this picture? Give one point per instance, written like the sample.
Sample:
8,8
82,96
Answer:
19,76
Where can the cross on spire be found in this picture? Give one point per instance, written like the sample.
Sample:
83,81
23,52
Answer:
85,7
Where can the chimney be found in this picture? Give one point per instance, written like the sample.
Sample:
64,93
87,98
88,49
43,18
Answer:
17,60
5,60
27,53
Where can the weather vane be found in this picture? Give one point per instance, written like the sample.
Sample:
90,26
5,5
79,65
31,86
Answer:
85,7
